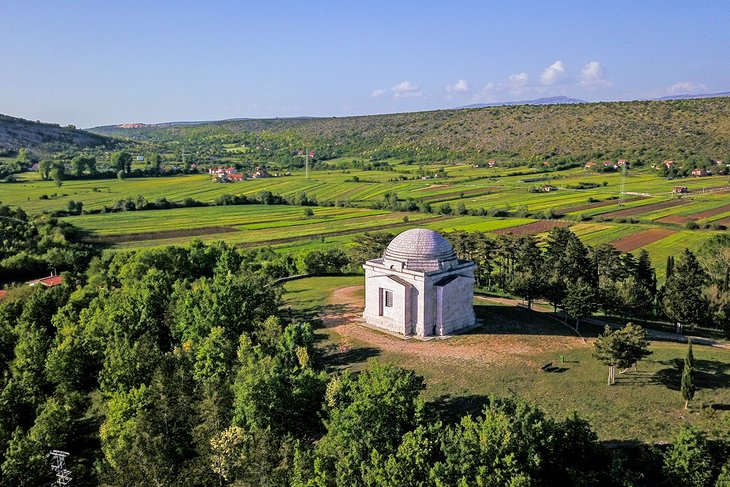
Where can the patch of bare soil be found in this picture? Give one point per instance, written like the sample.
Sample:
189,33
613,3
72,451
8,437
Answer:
641,239
493,343
640,210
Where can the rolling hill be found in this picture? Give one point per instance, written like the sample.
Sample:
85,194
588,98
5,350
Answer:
693,129
45,137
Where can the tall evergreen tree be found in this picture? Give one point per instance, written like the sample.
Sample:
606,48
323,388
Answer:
684,300
670,267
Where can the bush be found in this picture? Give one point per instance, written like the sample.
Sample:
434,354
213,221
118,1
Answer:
691,226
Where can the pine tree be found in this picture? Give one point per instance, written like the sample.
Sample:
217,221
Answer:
688,383
684,301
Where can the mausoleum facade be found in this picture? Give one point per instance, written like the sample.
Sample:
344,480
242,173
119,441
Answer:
419,287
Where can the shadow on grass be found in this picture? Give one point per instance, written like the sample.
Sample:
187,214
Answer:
633,378
450,409
556,370
709,374
500,319
340,356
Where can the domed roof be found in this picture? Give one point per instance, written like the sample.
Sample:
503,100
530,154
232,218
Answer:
420,249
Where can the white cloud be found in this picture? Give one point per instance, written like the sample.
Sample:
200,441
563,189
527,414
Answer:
593,76
406,89
379,93
686,87
553,73
461,86
517,83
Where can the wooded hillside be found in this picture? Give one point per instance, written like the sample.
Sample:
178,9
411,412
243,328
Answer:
45,137
647,131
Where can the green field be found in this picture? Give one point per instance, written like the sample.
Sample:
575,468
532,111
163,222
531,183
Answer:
644,405
287,228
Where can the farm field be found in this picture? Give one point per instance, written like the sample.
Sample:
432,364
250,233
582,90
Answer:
503,190
286,228
504,358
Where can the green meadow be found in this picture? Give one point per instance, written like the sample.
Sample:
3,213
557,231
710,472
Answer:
644,404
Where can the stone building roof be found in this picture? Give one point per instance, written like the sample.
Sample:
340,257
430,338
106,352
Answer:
420,249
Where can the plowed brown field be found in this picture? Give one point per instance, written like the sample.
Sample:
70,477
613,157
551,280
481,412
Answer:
597,204
640,239
640,210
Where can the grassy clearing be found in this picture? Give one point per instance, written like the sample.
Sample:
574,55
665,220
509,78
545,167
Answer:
644,405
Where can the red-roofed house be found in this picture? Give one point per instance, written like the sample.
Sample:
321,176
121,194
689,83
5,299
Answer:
668,163
49,281
699,172
621,162
590,164
2,294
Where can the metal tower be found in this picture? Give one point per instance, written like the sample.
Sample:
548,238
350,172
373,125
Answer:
58,465
621,199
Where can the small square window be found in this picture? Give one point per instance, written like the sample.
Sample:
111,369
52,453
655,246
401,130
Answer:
388,299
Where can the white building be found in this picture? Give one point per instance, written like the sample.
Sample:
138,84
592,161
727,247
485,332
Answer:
419,287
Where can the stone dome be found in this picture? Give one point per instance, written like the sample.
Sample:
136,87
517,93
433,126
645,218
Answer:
420,249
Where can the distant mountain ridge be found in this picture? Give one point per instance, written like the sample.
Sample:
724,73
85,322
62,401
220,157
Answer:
46,137
691,97
552,100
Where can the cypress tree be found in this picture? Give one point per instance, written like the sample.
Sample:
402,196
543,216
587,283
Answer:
670,267
688,383
690,357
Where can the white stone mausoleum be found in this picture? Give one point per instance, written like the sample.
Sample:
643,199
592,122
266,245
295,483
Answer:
419,287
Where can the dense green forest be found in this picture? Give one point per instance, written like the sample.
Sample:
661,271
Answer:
32,247
642,131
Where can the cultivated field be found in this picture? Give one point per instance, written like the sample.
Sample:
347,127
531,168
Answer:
651,217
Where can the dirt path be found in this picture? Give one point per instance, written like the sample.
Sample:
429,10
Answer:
344,311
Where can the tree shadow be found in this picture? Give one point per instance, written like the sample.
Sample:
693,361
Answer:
500,319
720,407
340,356
637,379
450,409
555,370
709,374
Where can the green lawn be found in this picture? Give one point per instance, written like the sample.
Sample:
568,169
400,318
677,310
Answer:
644,405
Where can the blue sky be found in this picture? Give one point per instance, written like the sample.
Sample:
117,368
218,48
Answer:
92,63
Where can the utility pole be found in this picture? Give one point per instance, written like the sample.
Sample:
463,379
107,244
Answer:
621,199
58,465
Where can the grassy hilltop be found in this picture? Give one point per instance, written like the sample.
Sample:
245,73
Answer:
46,137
